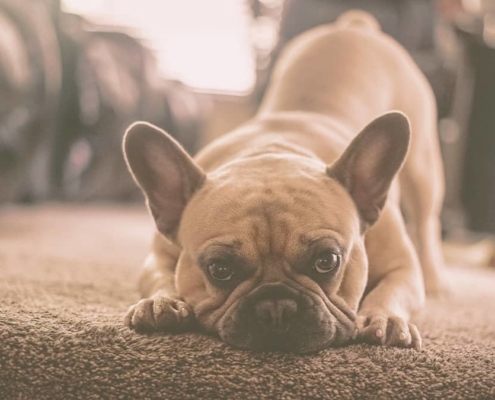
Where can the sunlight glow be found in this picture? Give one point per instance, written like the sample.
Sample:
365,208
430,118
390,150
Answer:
205,44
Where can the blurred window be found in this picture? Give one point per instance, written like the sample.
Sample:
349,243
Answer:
204,43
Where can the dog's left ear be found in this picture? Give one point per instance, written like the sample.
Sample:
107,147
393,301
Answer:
167,175
368,166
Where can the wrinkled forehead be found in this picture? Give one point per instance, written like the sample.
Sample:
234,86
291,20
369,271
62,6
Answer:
269,216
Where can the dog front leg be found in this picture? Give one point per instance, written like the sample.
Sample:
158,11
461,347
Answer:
395,288
161,309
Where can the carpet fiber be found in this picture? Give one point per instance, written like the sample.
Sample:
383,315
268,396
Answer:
67,277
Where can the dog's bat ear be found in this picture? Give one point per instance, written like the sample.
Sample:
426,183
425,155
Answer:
369,164
164,171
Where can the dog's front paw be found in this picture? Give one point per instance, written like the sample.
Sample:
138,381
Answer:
382,329
160,314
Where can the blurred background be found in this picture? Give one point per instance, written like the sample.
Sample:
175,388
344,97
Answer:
75,73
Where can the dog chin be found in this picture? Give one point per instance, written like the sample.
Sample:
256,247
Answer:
301,340
249,341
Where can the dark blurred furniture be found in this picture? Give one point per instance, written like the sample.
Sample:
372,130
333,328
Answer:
478,103
68,91
111,80
30,74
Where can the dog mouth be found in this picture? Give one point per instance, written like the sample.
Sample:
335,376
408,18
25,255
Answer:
311,325
301,341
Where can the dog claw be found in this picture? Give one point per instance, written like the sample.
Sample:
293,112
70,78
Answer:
184,312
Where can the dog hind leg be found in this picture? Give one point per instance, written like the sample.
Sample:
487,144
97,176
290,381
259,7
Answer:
422,192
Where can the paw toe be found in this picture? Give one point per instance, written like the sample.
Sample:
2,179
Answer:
416,341
398,333
376,331
128,317
166,316
143,319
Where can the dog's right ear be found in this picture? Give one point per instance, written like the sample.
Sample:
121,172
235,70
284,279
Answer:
163,170
369,164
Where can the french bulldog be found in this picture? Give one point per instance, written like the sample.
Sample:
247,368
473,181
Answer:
288,233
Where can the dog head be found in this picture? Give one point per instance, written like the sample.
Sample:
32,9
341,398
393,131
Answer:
272,246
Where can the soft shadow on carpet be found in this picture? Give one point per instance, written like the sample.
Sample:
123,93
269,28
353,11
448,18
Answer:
68,275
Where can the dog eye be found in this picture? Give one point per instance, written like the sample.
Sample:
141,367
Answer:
220,271
326,262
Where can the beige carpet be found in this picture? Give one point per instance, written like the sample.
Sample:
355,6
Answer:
67,276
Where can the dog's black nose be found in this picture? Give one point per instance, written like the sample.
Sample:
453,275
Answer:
275,315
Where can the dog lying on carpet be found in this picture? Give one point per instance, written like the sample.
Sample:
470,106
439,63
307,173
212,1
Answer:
279,235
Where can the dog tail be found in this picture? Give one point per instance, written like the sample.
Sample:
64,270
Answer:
358,18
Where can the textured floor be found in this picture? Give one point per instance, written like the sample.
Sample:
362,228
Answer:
67,276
